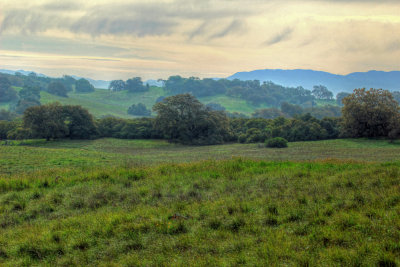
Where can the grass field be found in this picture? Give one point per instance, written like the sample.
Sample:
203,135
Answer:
39,154
112,202
103,102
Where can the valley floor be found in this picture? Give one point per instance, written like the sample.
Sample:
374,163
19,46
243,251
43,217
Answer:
39,154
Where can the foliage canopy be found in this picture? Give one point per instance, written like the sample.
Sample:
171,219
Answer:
184,119
370,113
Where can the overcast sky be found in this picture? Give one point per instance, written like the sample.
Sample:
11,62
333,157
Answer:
106,39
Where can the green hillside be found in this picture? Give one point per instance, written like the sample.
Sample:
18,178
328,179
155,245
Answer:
103,102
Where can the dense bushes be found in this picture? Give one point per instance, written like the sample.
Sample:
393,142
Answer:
141,128
241,130
302,128
277,142
180,118
139,110
54,121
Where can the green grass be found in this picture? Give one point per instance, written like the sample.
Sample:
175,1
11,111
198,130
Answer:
112,202
103,102
322,102
5,106
39,154
234,212
233,104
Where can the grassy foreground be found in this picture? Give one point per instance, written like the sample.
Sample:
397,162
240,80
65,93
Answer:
115,202
257,213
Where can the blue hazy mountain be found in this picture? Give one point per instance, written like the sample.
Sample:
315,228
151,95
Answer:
336,83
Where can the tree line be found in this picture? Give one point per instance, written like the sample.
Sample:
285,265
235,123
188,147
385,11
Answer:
184,119
31,86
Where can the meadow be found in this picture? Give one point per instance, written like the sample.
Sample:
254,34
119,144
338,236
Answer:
103,102
112,202
25,156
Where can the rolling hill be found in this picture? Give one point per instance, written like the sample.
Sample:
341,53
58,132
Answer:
336,83
103,102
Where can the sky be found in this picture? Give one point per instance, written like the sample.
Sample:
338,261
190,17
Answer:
120,39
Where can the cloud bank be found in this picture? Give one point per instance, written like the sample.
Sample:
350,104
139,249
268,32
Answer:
209,38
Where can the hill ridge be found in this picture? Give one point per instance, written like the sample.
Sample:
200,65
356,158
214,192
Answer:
307,78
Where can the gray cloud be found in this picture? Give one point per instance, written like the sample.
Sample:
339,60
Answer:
235,26
202,29
59,46
139,19
280,37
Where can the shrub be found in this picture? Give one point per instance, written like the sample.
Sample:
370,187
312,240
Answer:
277,142
83,86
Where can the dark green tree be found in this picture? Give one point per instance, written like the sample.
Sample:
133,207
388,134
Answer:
141,128
57,88
7,93
340,96
54,121
79,122
69,82
135,85
46,121
184,119
369,113
29,96
326,111
321,92
290,109
6,127
83,86
139,110
117,85
23,104
267,113
110,127
30,92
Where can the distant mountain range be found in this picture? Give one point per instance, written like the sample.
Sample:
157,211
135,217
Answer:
293,78
336,83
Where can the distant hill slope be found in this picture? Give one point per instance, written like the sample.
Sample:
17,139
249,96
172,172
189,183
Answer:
336,83
23,72
103,102
101,84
